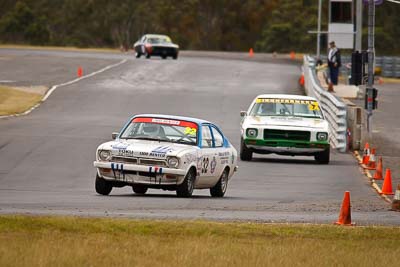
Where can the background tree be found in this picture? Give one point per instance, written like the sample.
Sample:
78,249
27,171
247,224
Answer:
227,25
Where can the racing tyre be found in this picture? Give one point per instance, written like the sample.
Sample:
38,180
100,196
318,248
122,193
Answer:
139,189
245,153
102,186
175,56
220,188
185,189
323,157
138,54
148,55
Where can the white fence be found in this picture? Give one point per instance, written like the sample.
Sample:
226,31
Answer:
333,107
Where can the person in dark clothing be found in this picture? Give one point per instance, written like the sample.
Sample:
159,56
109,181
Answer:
334,63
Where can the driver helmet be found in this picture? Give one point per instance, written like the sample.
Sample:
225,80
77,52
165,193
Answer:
151,129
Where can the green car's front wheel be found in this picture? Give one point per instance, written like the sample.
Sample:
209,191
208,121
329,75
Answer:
245,153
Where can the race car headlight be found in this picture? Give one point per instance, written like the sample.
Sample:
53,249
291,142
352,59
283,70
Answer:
105,155
322,136
173,162
251,132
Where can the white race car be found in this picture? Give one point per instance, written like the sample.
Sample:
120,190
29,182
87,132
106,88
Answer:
166,152
285,125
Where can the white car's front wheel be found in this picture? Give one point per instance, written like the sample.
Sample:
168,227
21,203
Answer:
220,188
102,186
185,189
139,189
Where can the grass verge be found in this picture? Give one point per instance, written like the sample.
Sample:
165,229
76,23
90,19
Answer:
71,241
14,101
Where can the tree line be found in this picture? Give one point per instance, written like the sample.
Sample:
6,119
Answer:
227,25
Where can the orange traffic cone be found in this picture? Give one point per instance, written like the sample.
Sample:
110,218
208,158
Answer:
396,199
371,165
292,55
379,169
80,71
301,80
387,184
345,211
251,52
366,154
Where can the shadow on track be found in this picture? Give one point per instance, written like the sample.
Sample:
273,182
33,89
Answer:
147,195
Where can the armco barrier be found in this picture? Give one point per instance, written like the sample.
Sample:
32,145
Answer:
334,109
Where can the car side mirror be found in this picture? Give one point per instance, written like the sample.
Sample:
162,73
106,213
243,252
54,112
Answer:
114,135
243,113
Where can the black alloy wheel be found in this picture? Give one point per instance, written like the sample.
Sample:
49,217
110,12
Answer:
185,189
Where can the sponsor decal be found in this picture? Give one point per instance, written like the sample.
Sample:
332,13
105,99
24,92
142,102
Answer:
205,164
120,146
160,152
288,101
199,164
223,154
213,165
125,153
172,122
188,158
224,161
164,121
224,157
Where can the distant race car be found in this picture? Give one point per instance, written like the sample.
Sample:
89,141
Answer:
156,45
166,152
285,125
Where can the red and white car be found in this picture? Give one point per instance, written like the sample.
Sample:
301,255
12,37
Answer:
166,152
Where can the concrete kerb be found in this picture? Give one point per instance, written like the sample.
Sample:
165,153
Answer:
54,87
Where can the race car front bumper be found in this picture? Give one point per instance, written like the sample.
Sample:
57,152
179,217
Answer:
286,147
139,174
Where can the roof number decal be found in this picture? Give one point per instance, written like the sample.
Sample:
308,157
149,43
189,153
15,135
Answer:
313,106
190,131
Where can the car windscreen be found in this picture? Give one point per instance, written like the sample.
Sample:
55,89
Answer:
168,130
286,107
158,40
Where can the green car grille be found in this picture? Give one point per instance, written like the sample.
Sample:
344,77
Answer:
286,135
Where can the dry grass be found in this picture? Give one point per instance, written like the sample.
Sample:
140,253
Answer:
56,241
15,101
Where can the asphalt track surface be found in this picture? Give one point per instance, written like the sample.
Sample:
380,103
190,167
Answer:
46,157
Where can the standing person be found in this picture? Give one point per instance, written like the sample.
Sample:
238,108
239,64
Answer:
334,63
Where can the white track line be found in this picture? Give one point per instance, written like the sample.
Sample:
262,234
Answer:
54,87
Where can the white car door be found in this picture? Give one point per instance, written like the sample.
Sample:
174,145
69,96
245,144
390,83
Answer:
222,154
207,154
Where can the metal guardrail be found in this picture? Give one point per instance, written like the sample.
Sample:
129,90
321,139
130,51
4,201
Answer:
334,109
